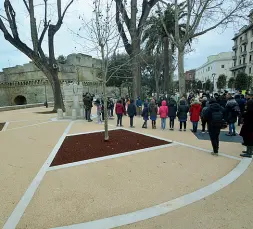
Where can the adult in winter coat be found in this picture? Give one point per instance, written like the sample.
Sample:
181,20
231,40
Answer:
182,111
153,113
145,114
119,110
163,112
195,112
232,111
131,111
241,104
214,115
247,129
172,112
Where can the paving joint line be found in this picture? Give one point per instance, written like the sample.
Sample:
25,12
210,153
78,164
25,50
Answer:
20,208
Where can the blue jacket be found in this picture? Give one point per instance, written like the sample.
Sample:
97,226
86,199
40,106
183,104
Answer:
145,112
138,102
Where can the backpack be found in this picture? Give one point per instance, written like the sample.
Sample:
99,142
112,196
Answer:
217,118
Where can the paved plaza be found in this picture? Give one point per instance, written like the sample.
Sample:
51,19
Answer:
178,185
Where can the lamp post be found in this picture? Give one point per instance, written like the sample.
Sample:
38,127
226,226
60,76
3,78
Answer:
45,85
213,75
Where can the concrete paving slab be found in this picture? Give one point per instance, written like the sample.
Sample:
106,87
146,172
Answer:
230,208
22,154
121,185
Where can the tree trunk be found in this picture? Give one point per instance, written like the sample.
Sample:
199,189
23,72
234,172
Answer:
170,77
166,64
52,76
56,87
136,69
181,76
104,79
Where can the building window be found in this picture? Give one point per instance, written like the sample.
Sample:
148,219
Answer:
240,61
208,68
244,60
250,58
249,70
251,44
222,66
241,48
240,39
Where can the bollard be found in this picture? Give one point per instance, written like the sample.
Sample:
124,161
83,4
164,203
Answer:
59,114
74,115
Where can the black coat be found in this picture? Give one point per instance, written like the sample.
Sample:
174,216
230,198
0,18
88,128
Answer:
183,109
232,111
172,106
131,110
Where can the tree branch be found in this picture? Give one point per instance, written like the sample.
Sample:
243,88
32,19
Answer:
11,16
122,32
146,7
34,31
26,5
121,8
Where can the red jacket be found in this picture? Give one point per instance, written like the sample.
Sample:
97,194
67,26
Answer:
195,111
163,111
119,108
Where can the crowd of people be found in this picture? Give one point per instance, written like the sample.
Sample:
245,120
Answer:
214,112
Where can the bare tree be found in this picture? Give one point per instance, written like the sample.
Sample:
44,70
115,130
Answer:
202,16
135,29
9,28
101,32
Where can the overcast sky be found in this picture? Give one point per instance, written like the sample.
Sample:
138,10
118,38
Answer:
209,44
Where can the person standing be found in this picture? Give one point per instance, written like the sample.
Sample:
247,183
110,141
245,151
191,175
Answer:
183,109
247,129
163,112
119,110
204,106
139,106
214,115
153,113
241,103
195,112
172,107
131,111
145,115
232,111
98,105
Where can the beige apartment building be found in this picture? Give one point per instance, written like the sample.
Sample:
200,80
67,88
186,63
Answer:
243,49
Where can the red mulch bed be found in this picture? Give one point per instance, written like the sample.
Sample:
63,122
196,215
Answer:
2,125
88,146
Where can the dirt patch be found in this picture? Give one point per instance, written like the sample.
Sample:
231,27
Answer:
2,125
88,146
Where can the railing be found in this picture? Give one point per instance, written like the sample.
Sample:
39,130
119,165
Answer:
17,107
238,67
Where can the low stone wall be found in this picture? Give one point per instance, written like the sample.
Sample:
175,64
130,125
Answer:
17,107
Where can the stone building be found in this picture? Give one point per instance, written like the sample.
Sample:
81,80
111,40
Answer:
26,84
243,49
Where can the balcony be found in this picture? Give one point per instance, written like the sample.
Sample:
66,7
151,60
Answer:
243,53
244,41
233,57
238,67
235,47
251,50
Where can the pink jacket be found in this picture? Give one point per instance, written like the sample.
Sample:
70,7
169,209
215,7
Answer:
163,111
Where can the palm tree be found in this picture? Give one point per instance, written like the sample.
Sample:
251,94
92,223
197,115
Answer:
157,41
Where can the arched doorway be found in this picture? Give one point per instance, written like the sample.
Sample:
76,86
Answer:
20,100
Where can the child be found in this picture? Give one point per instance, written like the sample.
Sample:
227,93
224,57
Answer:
163,112
183,109
153,113
172,112
195,111
131,111
247,129
119,110
145,115
98,105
